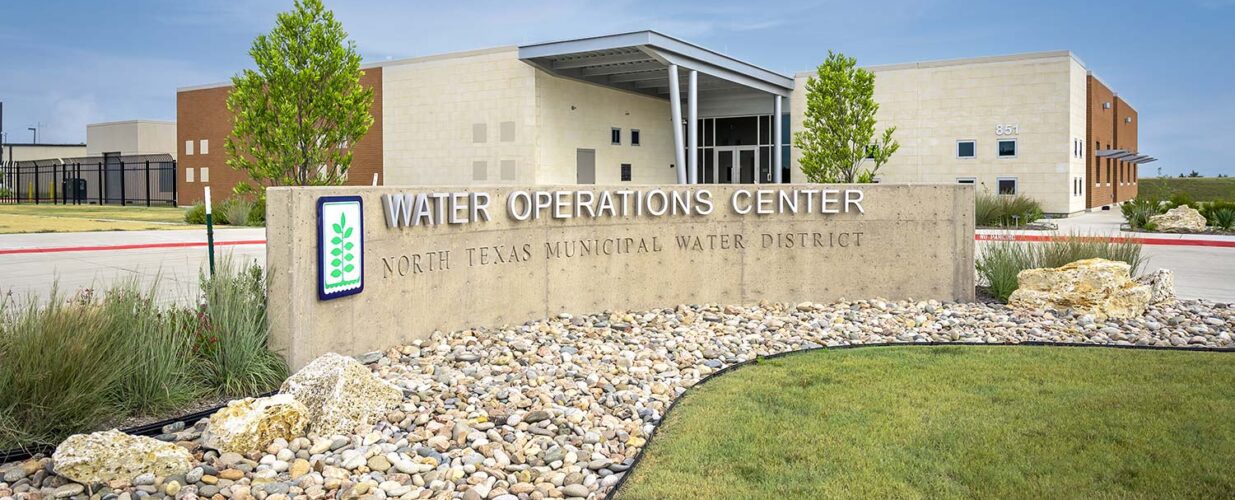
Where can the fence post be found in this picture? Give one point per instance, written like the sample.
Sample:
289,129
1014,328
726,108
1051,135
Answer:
102,181
124,185
35,185
175,183
147,182
17,183
77,179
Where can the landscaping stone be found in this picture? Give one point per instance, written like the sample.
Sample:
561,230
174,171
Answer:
112,455
1099,287
559,408
341,394
250,424
1161,285
1179,219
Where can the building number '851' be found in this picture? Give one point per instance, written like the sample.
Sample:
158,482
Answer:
1007,129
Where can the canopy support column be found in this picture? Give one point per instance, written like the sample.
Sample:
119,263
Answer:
675,111
692,125
776,132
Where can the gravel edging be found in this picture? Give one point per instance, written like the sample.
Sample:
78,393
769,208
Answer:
617,488
564,406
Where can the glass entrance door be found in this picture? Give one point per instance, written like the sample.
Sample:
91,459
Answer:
736,165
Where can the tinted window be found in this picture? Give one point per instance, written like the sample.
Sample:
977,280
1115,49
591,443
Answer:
634,137
615,136
1007,186
1007,148
625,172
965,149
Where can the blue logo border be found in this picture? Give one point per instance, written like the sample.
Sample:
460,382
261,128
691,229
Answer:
322,294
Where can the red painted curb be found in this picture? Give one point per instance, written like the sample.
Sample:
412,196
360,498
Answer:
1143,241
135,246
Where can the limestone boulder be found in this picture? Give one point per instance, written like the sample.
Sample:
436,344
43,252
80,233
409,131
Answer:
341,394
1183,219
1099,287
1161,285
112,455
251,424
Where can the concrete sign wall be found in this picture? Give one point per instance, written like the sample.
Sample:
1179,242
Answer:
442,258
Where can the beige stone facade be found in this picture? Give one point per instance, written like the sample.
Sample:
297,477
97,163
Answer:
486,117
131,137
1036,100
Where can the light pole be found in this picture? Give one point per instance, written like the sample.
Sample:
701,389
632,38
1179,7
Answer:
34,130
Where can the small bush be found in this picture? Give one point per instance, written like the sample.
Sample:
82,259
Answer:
235,211
1223,218
232,333
196,214
257,215
1001,261
992,210
1181,199
1137,212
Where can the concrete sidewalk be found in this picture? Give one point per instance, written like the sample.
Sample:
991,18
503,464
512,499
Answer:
1106,223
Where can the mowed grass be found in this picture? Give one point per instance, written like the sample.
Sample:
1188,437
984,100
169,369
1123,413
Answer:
1199,188
44,218
951,422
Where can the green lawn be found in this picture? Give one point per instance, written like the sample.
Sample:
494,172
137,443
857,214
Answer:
46,218
1200,188
957,421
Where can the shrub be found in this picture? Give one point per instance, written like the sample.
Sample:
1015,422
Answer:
1005,210
1181,199
196,214
1223,218
232,333
257,215
1001,261
1137,212
235,211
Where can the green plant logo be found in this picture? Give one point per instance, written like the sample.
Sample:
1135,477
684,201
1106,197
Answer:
342,253
340,246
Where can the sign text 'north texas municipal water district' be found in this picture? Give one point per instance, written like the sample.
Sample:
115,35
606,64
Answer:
391,264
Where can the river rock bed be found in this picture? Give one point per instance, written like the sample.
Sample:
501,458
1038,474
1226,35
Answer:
560,407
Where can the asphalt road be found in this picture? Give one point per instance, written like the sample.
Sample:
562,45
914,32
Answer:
28,269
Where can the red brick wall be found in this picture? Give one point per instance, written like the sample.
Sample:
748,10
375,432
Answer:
202,114
1100,122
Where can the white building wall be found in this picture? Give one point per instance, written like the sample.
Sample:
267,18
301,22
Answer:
1077,102
132,137
576,115
443,119
933,105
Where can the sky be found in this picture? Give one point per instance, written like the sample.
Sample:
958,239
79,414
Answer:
67,63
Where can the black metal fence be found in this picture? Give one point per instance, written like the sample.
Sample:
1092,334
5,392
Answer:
107,181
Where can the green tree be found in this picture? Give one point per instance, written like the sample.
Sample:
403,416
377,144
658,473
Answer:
296,114
838,134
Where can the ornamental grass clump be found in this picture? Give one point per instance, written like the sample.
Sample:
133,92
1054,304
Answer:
81,364
1002,210
1000,262
231,332
1138,211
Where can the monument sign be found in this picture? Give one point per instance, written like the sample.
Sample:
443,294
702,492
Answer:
391,264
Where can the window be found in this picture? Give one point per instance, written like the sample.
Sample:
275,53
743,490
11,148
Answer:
204,148
1007,148
479,132
204,175
508,131
188,149
1006,185
188,174
966,149
870,152
634,137
480,170
508,170
615,136
966,180
625,172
